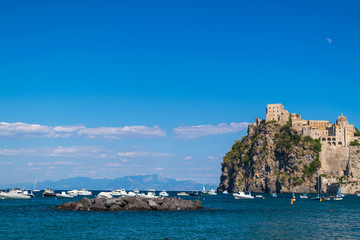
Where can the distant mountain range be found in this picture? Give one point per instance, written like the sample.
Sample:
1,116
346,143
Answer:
141,182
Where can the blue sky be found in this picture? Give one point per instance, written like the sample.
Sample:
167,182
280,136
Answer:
115,88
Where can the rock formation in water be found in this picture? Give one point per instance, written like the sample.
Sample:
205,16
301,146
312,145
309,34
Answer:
279,155
131,204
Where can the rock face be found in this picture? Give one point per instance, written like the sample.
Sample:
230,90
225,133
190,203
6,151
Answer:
131,204
277,158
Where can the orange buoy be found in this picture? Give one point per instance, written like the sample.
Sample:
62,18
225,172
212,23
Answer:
263,197
292,201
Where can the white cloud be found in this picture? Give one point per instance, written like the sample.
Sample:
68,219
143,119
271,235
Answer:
187,132
144,154
50,163
122,132
5,163
159,169
329,40
25,130
80,152
110,164
188,158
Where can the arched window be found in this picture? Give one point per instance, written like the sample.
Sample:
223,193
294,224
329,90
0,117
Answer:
329,143
334,143
339,143
329,139
324,139
334,139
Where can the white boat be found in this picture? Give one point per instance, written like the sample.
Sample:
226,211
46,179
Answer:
242,195
63,195
182,194
225,192
212,192
293,195
27,193
259,196
12,194
105,194
150,194
304,196
273,194
338,196
73,193
35,189
119,192
163,193
84,192
203,190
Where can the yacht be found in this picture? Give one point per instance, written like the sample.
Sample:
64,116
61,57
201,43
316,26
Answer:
182,194
212,192
49,192
150,194
84,192
119,192
203,190
163,193
13,194
242,195
73,193
63,195
28,193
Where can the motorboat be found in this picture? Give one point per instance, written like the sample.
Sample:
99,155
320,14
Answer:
119,192
183,194
259,196
163,193
273,194
225,192
243,195
304,196
150,194
193,193
28,193
84,192
73,193
105,194
12,194
212,192
63,195
49,192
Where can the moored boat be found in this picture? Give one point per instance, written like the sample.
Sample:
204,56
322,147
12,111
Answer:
338,196
163,193
212,192
12,194
63,195
242,195
182,194
84,192
49,192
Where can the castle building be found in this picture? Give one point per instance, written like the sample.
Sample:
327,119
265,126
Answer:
339,134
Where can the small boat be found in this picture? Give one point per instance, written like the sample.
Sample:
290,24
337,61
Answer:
293,195
84,192
27,193
273,194
182,194
212,192
225,192
12,194
49,192
243,195
63,195
317,198
35,189
194,193
338,196
119,192
73,193
259,196
150,194
303,196
163,193
203,190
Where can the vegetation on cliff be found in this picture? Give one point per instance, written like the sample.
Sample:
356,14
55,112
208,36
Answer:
270,158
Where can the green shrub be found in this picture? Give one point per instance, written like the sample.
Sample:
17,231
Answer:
354,143
245,159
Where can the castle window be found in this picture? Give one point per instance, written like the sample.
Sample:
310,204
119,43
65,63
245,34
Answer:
329,139
334,143
324,139
340,143
334,139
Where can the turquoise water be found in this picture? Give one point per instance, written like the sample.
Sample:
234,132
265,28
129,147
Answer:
223,218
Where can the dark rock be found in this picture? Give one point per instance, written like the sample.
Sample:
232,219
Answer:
152,204
131,204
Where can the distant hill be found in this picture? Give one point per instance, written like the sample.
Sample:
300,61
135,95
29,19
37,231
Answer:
141,182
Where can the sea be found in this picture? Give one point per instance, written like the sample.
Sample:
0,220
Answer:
222,218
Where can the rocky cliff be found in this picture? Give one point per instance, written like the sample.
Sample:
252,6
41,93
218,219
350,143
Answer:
276,158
